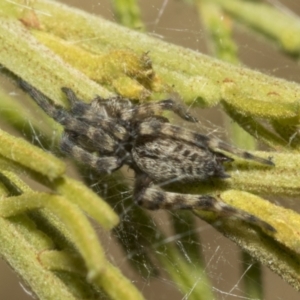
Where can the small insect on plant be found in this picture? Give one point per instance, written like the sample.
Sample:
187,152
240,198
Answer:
109,133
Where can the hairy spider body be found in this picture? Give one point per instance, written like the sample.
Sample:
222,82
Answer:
109,133
151,155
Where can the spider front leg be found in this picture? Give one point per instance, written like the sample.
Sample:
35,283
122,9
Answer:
105,164
154,198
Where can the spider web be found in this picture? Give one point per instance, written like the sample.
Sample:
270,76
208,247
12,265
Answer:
178,23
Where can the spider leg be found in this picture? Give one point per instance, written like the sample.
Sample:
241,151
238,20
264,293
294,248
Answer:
156,128
153,198
119,105
105,164
147,110
217,145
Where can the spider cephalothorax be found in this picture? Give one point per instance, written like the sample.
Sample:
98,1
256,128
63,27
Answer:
109,133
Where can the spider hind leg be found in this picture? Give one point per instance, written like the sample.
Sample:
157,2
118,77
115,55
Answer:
217,145
153,198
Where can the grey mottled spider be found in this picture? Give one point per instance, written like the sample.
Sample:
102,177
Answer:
109,133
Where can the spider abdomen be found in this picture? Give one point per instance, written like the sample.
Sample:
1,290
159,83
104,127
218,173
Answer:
170,160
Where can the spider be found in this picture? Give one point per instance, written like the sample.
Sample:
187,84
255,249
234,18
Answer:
109,133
